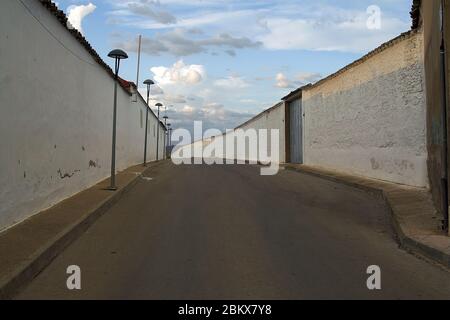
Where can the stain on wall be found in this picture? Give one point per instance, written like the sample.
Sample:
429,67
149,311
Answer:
92,164
66,174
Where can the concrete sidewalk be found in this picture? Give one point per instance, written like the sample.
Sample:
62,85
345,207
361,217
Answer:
412,211
27,248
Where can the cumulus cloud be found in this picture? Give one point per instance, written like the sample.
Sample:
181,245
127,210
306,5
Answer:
179,73
189,98
282,81
178,43
76,14
214,27
213,116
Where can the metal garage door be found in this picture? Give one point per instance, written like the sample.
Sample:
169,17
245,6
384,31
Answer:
295,109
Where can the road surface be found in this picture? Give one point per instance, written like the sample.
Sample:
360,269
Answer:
225,232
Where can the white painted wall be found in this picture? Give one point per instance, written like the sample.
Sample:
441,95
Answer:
271,119
56,115
371,119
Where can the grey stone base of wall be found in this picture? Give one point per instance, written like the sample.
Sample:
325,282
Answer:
413,214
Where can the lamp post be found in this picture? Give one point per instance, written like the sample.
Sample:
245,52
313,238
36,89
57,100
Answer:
165,133
148,83
159,105
117,55
169,126
168,136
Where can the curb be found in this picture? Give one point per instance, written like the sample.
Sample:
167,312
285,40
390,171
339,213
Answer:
406,243
25,273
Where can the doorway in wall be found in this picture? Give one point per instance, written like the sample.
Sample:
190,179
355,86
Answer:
296,131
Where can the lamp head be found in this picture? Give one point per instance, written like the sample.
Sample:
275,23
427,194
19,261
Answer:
149,82
118,54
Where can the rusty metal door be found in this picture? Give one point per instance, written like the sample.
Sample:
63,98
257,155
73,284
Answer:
296,131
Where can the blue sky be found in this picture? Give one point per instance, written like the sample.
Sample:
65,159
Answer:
223,61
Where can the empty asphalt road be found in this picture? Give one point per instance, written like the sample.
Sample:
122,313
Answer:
225,232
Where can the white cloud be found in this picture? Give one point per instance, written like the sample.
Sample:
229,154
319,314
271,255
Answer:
187,109
76,14
224,27
333,29
231,82
179,73
199,17
280,25
282,81
303,78
249,101
308,77
189,98
212,114
177,98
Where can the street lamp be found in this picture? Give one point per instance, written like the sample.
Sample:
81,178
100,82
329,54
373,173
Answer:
148,83
117,55
169,129
165,133
159,105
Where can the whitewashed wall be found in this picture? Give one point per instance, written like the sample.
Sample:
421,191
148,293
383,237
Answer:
272,119
56,115
371,119
215,148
